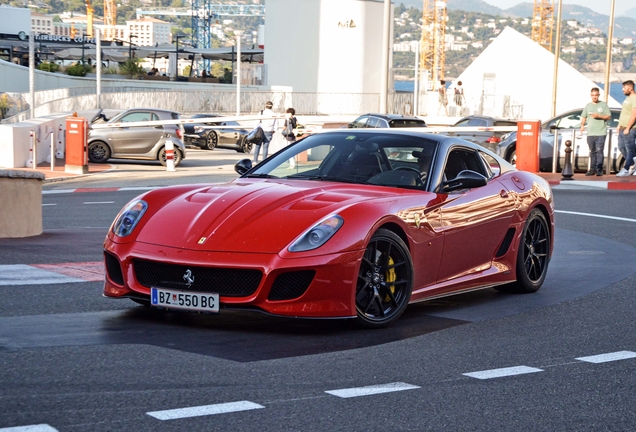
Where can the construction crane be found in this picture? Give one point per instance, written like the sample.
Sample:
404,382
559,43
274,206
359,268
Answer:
89,18
543,23
110,19
433,54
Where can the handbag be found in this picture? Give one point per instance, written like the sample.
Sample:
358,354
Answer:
256,137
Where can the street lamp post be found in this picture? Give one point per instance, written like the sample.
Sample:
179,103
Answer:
177,37
130,37
608,58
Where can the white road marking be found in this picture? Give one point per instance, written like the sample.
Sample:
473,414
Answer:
371,390
602,358
52,204
596,216
503,372
99,202
21,274
204,410
30,428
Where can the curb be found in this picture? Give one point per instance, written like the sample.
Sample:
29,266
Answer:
604,185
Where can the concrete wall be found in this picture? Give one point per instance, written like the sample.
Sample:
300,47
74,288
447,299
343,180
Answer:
21,198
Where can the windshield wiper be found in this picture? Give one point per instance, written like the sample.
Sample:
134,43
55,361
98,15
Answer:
260,176
323,178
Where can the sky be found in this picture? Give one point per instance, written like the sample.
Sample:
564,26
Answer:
599,6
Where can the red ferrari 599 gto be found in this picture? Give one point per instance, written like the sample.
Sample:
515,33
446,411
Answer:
342,224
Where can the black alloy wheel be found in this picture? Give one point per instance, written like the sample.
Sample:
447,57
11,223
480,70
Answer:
533,255
211,140
162,156
98,152
244,146
385,280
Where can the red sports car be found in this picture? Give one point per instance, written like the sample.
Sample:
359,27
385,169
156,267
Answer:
342,224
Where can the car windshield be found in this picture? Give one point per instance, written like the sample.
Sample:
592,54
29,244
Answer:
378,159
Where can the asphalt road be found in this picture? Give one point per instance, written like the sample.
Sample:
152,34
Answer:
72,360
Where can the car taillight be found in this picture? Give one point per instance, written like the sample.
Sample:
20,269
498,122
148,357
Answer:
179,133
493,140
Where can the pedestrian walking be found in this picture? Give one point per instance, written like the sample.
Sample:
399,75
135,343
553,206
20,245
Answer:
288,131
269,127
595,115
443,99
459,94
627,130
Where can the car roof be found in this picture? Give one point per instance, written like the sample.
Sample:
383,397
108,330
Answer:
393,116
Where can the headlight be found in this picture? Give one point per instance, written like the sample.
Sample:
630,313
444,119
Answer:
129,217
198,129
317,235
505,136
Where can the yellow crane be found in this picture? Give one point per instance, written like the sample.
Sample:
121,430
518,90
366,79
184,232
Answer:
110,19
432,52
543,23
89,18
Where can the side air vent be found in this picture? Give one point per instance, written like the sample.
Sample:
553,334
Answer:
505,245
113,269
291,285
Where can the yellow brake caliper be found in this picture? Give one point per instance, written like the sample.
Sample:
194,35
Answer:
390,277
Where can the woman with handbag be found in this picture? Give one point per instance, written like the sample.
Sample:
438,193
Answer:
288,131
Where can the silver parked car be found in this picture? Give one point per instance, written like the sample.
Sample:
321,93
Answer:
137,142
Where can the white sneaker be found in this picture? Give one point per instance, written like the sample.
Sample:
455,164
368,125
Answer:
622,173
632,170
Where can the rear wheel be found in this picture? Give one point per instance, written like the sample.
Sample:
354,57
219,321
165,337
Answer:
385,280
211,140
533,256
244,146
98,152
512,158
162,156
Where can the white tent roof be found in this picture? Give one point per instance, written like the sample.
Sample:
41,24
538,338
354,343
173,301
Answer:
515,66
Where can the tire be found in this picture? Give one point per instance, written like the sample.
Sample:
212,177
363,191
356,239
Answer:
244,146
98,152
533,255
385,280
162,157
211,141
512,157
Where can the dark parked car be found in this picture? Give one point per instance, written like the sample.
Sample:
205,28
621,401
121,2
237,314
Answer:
565,123
136,142
230,135
372,120
486,138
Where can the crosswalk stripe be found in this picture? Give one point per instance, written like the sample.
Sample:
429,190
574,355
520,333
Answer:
603,358
502,372
30,428
371,390
204,410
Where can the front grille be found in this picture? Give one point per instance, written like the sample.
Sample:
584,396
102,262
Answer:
226,282
291,285
113,269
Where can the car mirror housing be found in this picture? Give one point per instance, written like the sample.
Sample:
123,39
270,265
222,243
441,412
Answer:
465,180
243,166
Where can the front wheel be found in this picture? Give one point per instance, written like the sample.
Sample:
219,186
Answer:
98,152
162,156
533,255
512,158
385,280
211,141
244,146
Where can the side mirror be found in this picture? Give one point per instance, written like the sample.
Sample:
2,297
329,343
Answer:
465,180
243,166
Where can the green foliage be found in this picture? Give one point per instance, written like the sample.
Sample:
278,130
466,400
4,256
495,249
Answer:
5,104
131,67
77,70
49,67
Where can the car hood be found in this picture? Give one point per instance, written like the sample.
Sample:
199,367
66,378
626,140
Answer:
248,215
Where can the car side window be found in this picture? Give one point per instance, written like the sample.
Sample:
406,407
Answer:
492,166
462,123
478,122
463,159
373,122
613,122
360,122
571,121
136,117
155,117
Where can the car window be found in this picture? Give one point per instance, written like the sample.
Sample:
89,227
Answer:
360,122
400,123
136,117
505,123
462,122
571,121
478,122
491,164
155,117
373,122
463,159
613,122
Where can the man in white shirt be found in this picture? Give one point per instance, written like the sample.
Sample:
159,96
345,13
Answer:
269,127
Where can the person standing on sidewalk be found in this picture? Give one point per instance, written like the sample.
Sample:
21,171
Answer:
269,127
627,130
288,131
443,98
598,114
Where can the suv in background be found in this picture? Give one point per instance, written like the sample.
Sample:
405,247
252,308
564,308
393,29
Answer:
485,138
373,120
136,142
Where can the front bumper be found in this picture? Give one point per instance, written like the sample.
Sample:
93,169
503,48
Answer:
330,294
